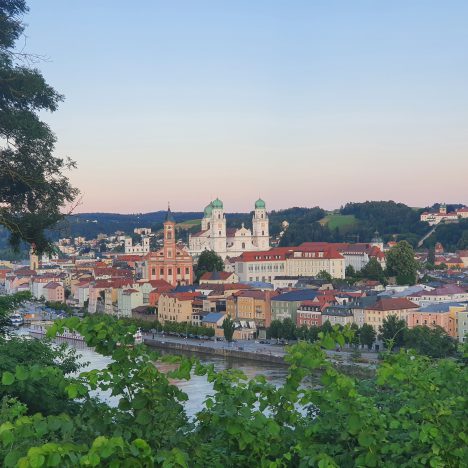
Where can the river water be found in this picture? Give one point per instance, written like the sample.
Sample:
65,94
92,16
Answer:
198,387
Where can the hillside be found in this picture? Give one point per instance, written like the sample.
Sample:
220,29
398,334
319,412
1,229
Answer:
353,222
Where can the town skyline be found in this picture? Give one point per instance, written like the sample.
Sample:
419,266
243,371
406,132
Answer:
305,103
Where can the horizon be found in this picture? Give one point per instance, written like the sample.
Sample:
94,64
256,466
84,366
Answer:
300,103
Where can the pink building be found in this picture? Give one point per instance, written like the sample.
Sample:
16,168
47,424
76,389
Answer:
54,292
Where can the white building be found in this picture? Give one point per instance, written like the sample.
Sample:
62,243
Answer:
214,234
138,249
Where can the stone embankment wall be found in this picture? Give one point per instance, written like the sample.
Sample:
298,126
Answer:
224,352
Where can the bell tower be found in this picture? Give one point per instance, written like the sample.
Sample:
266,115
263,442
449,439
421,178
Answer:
169,235
260,226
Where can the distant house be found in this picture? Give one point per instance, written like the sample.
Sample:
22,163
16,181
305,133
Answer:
375,314
285,305
219,277
442,315
213,320
338,315
54,292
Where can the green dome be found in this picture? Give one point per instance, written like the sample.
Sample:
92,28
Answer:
208,210
260,203
217,204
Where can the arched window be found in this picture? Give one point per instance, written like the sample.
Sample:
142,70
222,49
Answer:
243,245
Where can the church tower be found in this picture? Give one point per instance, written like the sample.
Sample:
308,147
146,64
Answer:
260,226
169,235
218,227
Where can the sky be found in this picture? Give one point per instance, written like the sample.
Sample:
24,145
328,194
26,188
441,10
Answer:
302,103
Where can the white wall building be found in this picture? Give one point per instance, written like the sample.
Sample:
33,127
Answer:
214,234
138,249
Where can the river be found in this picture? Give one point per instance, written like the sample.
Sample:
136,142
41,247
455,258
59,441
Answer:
198,387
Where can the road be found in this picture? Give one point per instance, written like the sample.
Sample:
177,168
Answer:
256,347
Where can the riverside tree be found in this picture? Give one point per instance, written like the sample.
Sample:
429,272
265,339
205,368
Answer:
228,328
33,188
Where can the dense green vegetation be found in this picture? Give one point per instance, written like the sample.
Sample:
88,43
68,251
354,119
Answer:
411,413
208,261
453,236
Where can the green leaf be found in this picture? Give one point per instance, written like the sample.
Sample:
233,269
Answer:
7,378
143,418
365,439
21,373
354,424
328,342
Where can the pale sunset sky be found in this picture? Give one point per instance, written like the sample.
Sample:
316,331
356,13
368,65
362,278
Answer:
303,103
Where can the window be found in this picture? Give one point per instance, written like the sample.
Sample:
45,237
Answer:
169,271
153,271
161,271
178,271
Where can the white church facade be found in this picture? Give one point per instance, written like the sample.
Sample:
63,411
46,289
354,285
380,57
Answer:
230,242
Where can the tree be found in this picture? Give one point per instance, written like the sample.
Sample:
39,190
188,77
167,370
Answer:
242,423
401,263
392,332
373,271
350,272
324,275
228,328
209,261
434,342
275,329
288,329
33,188
367,335
431,256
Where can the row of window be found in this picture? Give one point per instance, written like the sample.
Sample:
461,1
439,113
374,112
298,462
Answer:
169,271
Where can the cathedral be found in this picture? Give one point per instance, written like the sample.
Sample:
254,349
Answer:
230,242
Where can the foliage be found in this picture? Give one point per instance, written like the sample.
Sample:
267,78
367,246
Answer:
387,217
412,413
35,373
228,328
367,335
33,187
373,271
208,261
392,332
324,275
401,263
433,342
453,236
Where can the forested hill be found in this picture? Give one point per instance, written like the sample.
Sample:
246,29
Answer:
354,222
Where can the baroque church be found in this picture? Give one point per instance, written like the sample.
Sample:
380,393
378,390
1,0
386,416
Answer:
230,242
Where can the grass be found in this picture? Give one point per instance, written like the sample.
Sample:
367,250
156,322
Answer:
189,224
339,221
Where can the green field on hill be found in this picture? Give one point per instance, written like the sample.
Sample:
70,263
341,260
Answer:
190,223
342,222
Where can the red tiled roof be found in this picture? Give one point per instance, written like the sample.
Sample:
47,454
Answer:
216,275
53,285
181,296
392,303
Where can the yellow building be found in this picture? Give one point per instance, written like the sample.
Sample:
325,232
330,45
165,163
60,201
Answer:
251,305
176,307
376,313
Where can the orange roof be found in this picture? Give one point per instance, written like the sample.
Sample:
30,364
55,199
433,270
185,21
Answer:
392,303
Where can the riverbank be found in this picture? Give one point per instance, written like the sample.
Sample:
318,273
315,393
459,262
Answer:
250,350
225,352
